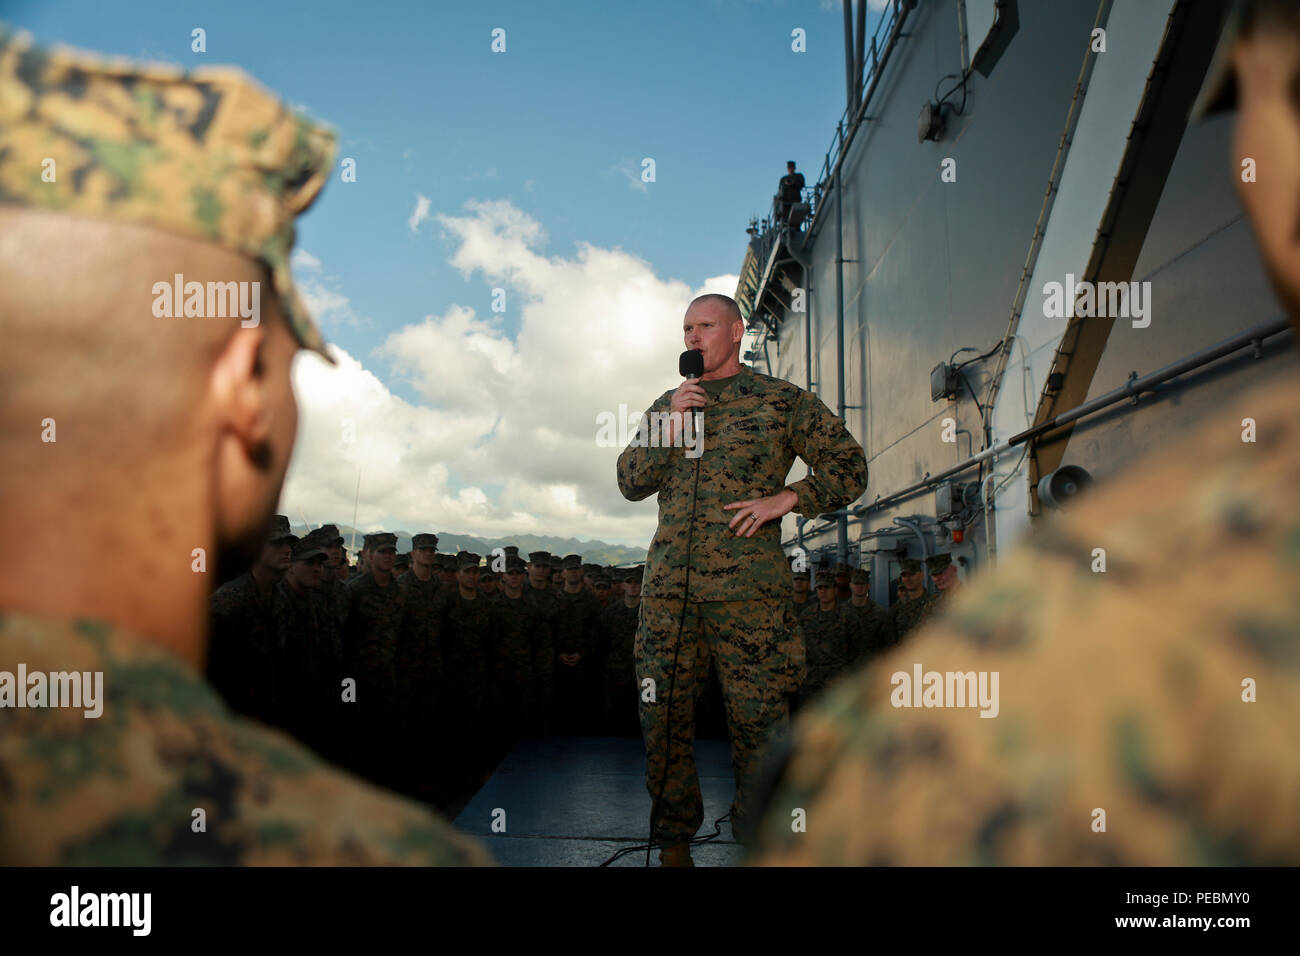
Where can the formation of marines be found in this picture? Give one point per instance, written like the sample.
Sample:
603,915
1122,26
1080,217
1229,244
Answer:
424,680
843,627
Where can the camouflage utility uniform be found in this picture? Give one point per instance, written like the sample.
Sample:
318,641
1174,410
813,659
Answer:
827,637
620,685
871,630
1120,691
909,613
100,791
739,616
245,648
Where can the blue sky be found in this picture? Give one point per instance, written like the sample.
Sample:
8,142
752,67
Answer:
530,161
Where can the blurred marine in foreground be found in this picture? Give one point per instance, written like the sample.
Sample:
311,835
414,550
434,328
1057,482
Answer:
149,318
1147,715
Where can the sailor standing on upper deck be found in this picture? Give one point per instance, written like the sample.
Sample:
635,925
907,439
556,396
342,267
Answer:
738,613
790,190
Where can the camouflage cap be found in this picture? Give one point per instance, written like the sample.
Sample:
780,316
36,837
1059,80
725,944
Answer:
859,576
515,565
600,580
801,576
842,568
557,562
512,550
307,547
572,561
937,563
467,559
539,557
277,529
486,575
330,533
381,541
424,540
209,155
909,565
321,537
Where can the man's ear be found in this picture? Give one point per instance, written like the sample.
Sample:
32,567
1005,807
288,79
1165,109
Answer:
239,389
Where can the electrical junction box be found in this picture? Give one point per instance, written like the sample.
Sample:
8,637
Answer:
944,382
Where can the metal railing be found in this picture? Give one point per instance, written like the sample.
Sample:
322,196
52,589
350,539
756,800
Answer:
766,232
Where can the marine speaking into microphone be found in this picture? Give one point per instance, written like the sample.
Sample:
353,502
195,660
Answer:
717,582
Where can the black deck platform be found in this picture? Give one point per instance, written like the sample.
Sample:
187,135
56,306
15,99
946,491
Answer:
575,801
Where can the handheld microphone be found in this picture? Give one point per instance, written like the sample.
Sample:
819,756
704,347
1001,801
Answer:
691,364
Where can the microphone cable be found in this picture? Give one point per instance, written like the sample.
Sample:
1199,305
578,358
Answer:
695,841
672,680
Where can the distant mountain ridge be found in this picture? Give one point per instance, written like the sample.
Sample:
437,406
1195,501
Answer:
593,552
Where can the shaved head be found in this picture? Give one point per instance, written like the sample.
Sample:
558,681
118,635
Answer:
160,441
719,301
82,343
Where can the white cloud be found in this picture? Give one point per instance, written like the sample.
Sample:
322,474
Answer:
320,293
303,259
630,169
502,438
420,214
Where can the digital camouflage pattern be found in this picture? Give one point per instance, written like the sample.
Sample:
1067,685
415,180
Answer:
827,637
299,674
871,631
370,640
244,646
513,666
577,690
465,704
209,154
620,684
545,603
910,613
754,427
335,595
1120,690
579,613
759,655
120,790
466,649
418,656
417,754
